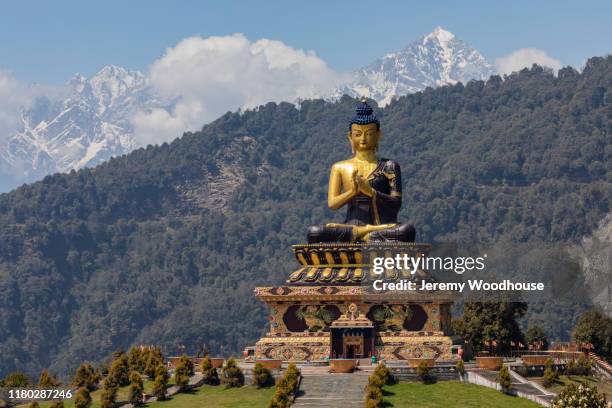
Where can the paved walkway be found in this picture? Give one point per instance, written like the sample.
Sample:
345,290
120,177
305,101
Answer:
331,390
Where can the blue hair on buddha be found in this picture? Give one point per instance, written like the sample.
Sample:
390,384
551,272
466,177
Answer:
364,115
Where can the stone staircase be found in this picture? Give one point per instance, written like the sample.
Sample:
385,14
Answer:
601,366
331,390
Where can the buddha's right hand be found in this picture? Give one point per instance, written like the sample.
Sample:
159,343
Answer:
355,182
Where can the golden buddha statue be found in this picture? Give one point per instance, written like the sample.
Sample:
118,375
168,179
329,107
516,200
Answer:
369,186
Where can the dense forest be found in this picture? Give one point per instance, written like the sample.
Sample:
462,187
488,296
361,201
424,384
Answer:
164,245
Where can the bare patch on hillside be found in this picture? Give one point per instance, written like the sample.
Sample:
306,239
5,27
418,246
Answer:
217,184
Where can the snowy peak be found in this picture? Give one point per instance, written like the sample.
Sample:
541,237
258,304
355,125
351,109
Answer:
112,84
77,83
84,128
438,58
439,35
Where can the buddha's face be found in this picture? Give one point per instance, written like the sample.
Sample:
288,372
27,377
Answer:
364,137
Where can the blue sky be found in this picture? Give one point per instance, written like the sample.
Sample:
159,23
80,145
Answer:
46,42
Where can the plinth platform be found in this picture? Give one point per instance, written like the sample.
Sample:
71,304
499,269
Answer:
327,310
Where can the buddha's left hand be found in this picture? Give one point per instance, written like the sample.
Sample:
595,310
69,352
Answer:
364,186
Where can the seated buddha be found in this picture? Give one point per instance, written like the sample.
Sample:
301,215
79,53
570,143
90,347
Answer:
370,188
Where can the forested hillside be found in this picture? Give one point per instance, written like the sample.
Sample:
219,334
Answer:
164,245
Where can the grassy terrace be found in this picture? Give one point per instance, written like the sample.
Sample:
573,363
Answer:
219,397
449,393
205,396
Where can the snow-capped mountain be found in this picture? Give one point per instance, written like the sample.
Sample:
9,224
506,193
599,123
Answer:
92,122
439,58
84,128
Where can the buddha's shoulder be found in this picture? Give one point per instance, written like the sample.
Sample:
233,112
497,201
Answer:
344,165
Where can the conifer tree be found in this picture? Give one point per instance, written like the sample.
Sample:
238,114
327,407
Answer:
232,375
160,384
209,372
120,370
108,399
47,380
86,376
262,377
82,398
136,389
136,360
183,371
504,379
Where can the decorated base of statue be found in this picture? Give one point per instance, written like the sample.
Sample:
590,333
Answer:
327,310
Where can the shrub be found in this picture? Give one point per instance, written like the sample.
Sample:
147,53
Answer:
87,376
460,367
109,393
136,389
579,396
232,375
371,403
570,368
282,396
292,374
262,377
15,380
583,365
210,374
423,372
504,379
286,387
120,370
57,404
153,359
374,397
160,385
184,370
82,399
383,372
47,380
163,372
375,381
380,377
32,404
549,377
136,359
550,374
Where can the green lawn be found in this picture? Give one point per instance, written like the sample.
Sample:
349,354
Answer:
219,397
604,387
205,396
449,394
122,394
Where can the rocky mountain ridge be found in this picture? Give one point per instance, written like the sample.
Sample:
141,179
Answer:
93,121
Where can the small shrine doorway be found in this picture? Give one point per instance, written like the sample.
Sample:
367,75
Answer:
352,335
353,345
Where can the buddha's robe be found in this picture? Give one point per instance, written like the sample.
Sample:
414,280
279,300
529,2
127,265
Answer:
382,208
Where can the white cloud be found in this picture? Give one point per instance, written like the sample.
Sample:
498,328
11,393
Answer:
13,95
16,96
525,58
209,76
